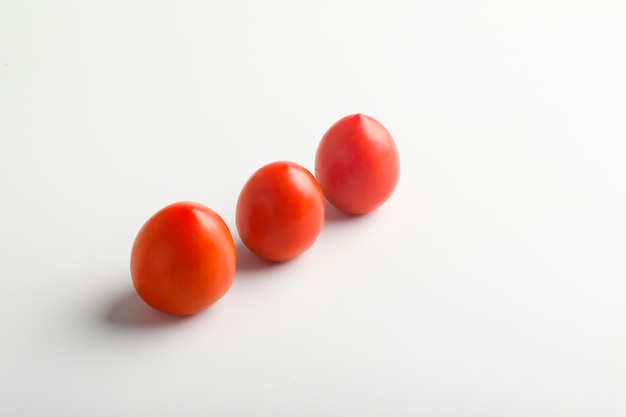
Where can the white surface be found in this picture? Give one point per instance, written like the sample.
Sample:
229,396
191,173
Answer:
491,284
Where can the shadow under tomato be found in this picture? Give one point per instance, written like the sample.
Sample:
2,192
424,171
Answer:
129,310
334,215
248,262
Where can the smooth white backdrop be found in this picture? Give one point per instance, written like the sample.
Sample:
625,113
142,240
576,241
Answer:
492,283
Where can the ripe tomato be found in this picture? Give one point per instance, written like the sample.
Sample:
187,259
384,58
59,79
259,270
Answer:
183,259
357,164
280,211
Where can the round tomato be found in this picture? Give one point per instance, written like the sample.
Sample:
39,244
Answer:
280,211
357,164
183,259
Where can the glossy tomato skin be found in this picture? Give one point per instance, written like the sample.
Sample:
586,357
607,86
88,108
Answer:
183,259
280,211
357,164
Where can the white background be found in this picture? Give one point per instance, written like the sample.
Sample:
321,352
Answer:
492,283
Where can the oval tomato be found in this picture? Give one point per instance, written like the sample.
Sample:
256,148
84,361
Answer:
183,259
357,164
280,211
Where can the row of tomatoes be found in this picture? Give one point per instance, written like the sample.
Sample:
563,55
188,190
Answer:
184,258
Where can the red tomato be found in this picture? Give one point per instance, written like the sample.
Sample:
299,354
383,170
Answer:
183,259
280,211
357,164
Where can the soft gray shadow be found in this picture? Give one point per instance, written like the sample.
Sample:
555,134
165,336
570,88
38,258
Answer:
129,310
248,262
334,215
